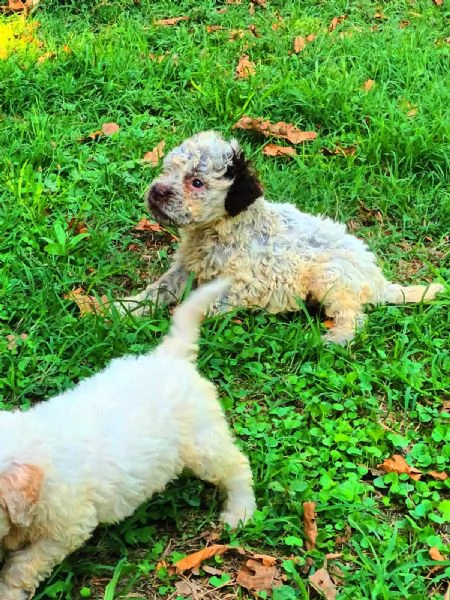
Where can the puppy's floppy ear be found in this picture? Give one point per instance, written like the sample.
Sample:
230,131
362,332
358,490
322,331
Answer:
245,187
20,487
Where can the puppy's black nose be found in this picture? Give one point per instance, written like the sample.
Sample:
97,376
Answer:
159,192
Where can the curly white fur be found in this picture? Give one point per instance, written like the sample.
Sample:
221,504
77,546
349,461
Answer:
274,254
95,453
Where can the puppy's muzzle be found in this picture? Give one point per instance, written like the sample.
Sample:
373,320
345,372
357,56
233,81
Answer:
158,194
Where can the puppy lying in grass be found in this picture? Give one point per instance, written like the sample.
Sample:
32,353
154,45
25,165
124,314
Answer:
273,253
94,453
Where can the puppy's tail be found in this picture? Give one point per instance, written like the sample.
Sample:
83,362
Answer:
181,341
399,294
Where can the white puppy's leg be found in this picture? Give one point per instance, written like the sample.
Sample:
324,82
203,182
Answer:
346,311
213,456
25,569
166,290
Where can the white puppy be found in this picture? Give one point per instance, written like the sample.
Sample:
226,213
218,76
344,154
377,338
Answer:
274,254
95,453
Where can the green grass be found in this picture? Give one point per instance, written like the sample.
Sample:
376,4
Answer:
314,421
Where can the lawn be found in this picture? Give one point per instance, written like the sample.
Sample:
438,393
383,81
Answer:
315,421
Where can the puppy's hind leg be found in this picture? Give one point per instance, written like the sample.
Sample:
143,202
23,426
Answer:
213,456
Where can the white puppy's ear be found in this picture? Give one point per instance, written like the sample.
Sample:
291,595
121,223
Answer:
245,188
20,487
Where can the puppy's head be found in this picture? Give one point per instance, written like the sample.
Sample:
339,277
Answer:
20,487
204,179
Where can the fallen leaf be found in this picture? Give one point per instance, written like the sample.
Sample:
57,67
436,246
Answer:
335,22
368,85
333,555
19,5
245,68
258,577
146,225
321,582
155,155
438,2
186,588
404,23
379,15
339,150
12,339
233,1
310,524
171,21
77,226
156,57
253,30
446,406
274,150
299,44
88,304
267,561
110,128
46,56
397,464
435,554
278,130
211,570
193,561
441,475
211,28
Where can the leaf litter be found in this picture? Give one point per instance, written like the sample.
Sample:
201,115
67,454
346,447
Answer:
310,524
88,304
154,156
280,130
245,67
275,150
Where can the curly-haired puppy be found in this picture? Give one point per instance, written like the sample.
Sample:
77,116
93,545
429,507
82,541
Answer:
273,253
95,453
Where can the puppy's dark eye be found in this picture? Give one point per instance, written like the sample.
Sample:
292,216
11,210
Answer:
197,183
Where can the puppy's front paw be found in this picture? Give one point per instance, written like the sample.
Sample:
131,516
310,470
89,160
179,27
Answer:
11,593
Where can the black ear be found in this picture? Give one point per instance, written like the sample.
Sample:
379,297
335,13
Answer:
245,187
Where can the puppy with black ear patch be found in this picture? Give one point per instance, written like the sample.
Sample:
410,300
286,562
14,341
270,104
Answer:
273,253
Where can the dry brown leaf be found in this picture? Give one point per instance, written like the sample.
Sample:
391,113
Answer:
267,561
19,5
193,561
77,226
300,42
343,539
258,577
153,156
441,475
233,1
322,583
146,225
379,15
333,555
446,406
335,22
339,150
12,339
404,23
171,21
88,304
310,524
186,588
156,57
46,56
274,150
368,85
245,68
397,464
435,554
110,128
211,28
438,2
236,34
279,130
447,593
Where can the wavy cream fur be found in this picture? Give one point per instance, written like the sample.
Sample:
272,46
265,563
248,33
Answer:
94,453
274,254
